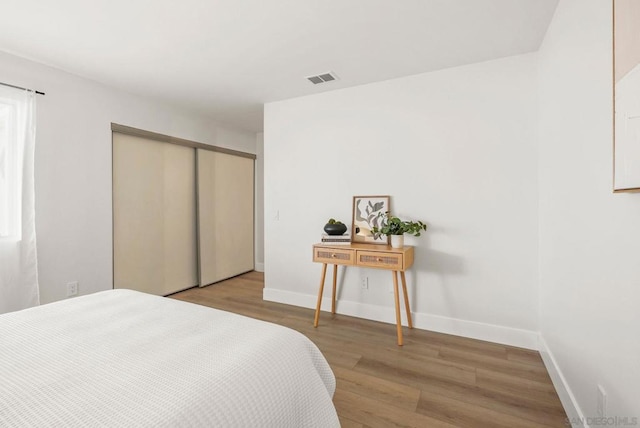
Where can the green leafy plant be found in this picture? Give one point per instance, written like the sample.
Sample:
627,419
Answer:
391,225
334,221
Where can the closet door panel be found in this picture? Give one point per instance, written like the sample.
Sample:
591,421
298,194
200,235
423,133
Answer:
225,215
180,242
137,244
154,215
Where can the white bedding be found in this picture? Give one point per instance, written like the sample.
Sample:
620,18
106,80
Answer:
121,358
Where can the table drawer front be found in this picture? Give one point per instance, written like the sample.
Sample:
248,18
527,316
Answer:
380,260
334,256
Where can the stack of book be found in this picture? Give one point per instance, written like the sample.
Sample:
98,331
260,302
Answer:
336,239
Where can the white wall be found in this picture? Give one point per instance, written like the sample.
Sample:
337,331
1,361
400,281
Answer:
455,148
73,167
589,240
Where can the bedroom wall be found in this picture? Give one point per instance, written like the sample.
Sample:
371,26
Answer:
455,148
73,167
589,246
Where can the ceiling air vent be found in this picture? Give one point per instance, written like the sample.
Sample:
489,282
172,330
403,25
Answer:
322,78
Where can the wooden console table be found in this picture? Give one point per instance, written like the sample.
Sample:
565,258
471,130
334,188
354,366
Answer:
365,255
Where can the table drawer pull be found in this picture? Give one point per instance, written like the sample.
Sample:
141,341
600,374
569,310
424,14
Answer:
379,259
333,255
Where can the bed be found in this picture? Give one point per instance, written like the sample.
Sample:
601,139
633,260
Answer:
121,358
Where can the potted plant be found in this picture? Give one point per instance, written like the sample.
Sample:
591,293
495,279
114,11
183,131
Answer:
396,228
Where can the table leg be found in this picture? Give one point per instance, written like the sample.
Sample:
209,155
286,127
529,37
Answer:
398,319
406,298
324,274
333,294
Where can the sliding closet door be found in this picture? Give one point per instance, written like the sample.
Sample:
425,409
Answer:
154,215
225,215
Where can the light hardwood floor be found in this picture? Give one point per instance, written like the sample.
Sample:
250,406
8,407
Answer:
434,380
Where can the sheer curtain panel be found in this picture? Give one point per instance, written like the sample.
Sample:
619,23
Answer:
18,259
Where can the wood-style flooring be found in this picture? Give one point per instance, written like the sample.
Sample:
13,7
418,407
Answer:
434,380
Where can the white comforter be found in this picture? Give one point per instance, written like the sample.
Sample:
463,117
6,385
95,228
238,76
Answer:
121,358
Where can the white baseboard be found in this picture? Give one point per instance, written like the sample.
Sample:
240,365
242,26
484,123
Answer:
568,400
258,267
475,330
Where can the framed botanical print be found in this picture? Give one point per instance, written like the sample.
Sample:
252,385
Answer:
626,95
367,212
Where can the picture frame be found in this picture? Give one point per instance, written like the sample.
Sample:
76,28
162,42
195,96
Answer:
626,103
365,215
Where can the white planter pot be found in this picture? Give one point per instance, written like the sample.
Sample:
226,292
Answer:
397,241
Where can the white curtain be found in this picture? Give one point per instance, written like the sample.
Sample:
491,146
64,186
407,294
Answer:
18,258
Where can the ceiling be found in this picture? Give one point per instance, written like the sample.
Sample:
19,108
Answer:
226,58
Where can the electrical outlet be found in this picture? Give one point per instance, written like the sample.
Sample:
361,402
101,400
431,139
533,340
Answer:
602,402
72,289
364,282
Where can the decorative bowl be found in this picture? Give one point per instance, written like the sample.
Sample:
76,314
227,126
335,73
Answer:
335,229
